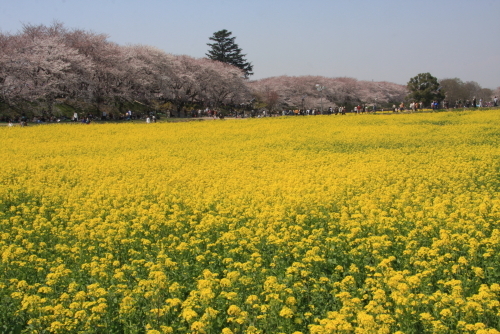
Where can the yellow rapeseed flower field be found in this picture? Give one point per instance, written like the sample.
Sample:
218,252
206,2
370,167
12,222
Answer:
326,224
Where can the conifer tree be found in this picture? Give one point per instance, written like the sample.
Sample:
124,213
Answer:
225,50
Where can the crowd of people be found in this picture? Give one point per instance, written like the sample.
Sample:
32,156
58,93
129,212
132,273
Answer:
153,117
474,103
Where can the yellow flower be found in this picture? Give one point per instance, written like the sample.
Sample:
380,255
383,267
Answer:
286,312
252,299
188,314
198,327
225,282
426,317
445,313
166,329
233,310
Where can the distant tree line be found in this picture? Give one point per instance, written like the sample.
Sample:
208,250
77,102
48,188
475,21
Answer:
49,70
302,92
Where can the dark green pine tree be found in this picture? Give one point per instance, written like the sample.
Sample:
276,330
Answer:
224,49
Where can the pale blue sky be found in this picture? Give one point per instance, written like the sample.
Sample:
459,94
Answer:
385,40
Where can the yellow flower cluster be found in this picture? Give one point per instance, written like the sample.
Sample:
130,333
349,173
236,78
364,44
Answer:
378,224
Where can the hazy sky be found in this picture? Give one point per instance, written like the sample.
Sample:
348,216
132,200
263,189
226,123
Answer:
384,40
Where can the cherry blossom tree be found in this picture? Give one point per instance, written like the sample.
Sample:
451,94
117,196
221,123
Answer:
183,84
142,74
111,80
223,83
8,85
40,67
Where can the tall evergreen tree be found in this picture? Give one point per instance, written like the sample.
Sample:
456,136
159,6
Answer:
224,49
